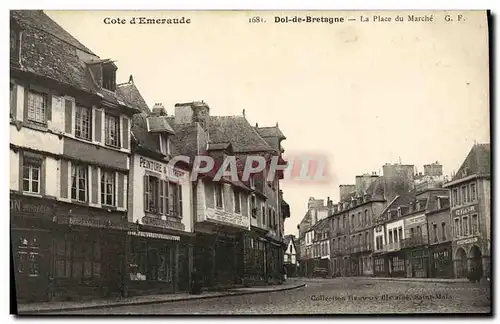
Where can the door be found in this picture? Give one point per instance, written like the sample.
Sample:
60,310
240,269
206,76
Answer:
30,251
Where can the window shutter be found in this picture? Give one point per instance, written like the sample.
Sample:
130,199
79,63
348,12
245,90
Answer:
98,125
48,109
120,188
64,179
126,133
68,104
26,95
145,192
167,194
13,101
179,199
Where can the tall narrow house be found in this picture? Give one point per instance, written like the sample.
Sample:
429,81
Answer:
69,164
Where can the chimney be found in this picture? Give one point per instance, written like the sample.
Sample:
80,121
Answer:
192,112
158,110
131,79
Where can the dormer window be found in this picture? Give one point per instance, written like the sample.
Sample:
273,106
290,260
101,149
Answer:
109,77
15,43
164,144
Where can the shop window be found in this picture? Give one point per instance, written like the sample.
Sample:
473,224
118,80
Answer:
108,188
78,257
28,256
150,261
79,182
31,175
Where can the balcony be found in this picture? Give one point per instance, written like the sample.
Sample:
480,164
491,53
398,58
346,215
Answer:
392,247
361,248
414,241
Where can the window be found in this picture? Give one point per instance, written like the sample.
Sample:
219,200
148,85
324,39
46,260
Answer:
352,220
269,215
264,215
366,216
37,105
457,227
343,222
474,224
83,123
31,175
237,202
434,232
443,230
13,100
412,232
465,223
390,236
164,190
164,144
79,182
360,221
108,188
473,196
109,77
174,199
151,186
218,195
150,261
400,230
396,236
112,130
455,197
464,195
78,257
367,239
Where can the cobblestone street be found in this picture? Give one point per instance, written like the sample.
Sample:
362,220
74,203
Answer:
333,296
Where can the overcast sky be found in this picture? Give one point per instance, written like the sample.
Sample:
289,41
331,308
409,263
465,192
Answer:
362,94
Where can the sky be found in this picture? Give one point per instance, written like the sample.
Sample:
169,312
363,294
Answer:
360,94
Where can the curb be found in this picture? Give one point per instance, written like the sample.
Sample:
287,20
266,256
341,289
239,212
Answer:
417,280
150,302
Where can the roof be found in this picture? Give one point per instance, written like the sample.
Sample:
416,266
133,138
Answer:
47,50
239,132
272,131
478,162
131,95
288,238
219,146
400,200
186,138
159,124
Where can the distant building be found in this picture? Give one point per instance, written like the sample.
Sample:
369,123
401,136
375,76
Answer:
290,256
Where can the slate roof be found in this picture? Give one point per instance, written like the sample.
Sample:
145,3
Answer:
185,138
239,132
159,124
271,131
47,50
131,95
478,161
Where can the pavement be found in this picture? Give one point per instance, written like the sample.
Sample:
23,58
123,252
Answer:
58,307
302,296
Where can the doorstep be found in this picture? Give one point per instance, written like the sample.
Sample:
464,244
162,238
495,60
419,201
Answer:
58,307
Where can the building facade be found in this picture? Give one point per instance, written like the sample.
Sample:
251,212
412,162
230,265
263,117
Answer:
69,156
470,196
290,256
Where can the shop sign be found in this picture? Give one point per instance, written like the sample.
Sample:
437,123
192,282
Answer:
155,235
226,217
163,223
17,205
465,210
97,223
467,241
415,220
161,168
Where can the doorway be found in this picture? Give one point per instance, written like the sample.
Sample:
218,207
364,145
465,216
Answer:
461,263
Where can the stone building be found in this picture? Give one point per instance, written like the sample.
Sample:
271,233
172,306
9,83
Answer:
470,199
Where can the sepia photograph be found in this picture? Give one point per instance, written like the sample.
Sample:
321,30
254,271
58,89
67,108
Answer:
244,162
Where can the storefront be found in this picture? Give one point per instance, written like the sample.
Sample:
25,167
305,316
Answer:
396,264
417,262
254,259
152,262
441,261
380,265
64,251
219,259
